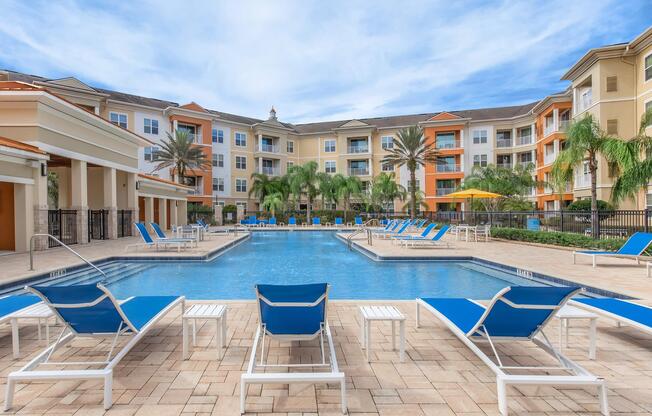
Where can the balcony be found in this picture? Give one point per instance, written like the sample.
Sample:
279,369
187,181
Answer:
504,143
504,165
563,125
448,144
194,138
525,163
358,149
271,171
197,190
549,158
359,171
524,140
268,148
448,168
444,191
582,181
548,130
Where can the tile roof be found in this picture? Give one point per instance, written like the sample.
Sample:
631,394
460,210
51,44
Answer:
157,179
5,142
137,99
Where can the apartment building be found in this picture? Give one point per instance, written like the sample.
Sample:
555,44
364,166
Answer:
613,83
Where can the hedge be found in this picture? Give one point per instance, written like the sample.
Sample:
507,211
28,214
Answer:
557,238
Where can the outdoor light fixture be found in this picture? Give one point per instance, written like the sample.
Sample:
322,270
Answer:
44,169
137,185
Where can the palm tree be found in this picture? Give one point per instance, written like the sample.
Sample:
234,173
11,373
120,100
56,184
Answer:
347,188
639,173
411,149
261,186
327,188
273,202
420,201
179,152
558,182
384,190
303,180
585,142
510,183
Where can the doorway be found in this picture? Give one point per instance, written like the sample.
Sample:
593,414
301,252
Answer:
7,218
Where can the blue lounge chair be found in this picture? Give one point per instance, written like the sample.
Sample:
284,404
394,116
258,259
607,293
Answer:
160,234
338,221
389,234
422,236
316,221
514,314
91,311
272,222
12,306
633,249
622,311
148,241
292,222
292,313
253,221
358,222
436,239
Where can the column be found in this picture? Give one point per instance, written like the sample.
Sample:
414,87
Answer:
149,209
23,218
132,195
175,126
79,197
534,157
514,159
110,201
174,214
182,212
239,213
514,139
533,132
40,206
260,165
218,214
555,119
462,138
371,167
163,213
259,147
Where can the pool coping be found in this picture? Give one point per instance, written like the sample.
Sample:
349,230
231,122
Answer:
522,273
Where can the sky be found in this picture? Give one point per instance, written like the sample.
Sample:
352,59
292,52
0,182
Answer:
316,60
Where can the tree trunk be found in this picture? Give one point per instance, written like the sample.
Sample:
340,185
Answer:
308,210
413,193
346,208
593,169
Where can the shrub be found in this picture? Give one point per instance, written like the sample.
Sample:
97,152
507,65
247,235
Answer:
557,238
585,205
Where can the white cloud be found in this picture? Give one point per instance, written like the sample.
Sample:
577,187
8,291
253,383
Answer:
312,60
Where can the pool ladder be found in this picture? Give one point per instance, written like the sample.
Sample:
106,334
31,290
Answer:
51,237
364,228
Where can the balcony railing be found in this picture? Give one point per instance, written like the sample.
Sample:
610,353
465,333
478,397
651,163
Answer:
197,190
523,140
359,171
448,144
448,168
269,148
525,163
549,158
444,191
504,165
194,138
504,143
548,130
271,171
358,149
563,125
582,181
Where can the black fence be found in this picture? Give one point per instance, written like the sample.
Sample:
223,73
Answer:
125,223
608,224
98,224
62,224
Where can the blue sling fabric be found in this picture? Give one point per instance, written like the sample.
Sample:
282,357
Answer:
316,221
632,311
272,221
634,246
461,312
358,220
144,233
292,221
441,232
14,303
292,320
158,231
338,220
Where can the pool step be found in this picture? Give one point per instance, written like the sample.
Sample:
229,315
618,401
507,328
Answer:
112,275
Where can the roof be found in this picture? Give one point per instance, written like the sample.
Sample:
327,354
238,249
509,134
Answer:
157,179
5,142
18,86
137,99
235,118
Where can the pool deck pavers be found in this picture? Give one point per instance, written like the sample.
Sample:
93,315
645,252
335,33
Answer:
440,376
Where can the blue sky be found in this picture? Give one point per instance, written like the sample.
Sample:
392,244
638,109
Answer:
316,60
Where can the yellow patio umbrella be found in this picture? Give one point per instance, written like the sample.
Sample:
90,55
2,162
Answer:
473,193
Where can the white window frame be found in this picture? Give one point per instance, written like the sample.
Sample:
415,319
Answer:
387,167
118,122
239,183
241,138
327,147
330,164
153,124
289,164
481,139
242,166
218,184
645,68
220,160
151,150
387,142
481,161
241,204
290,146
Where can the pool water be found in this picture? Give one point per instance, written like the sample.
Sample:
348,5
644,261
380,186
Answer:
305,256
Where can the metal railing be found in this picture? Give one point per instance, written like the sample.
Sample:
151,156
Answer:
523,140
504,143
358,171
363,228
448,144
50,236
358,149
448,168
269,148
444,191
549,158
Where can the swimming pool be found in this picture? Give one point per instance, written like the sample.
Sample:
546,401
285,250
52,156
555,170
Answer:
299,257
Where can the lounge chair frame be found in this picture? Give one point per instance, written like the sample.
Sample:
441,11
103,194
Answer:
618,318
333,376
29,372
579,375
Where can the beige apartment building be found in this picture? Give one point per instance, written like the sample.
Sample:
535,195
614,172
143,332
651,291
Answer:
614,83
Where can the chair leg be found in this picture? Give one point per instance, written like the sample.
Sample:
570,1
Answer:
15,338
343,393
604,404
108,391
243,396
9,393
502,396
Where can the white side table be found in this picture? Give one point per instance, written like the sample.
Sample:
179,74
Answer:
381,313
205,311
39,312
568,313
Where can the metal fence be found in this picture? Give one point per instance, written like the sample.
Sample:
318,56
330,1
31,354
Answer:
125,223
62,224
98,224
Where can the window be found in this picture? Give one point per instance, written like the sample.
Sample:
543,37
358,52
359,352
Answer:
445,140
150,126
612,84
612,126
329,146
241,162
648,107
241,185
118,119
648,67
218,184
220,203
387,167
330,166
151,153
479,136
480,160
241,204
289,165
290,147
241,139
217,136
387,142
416,183
220,160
